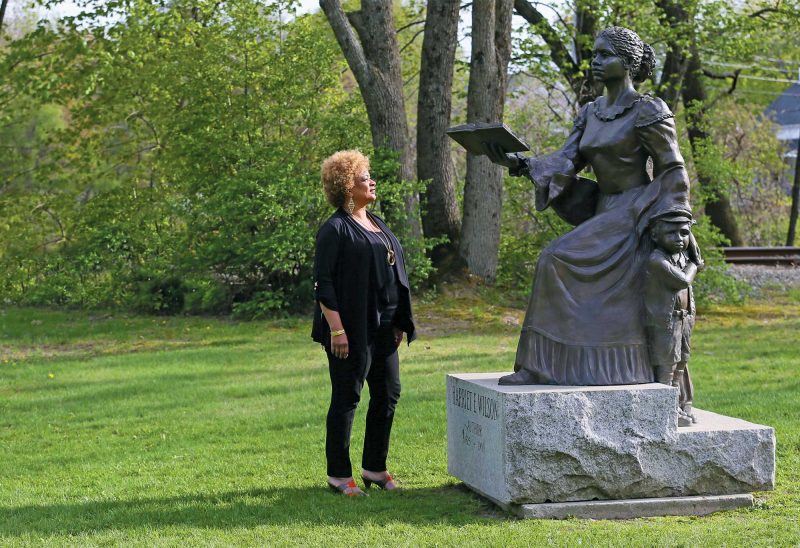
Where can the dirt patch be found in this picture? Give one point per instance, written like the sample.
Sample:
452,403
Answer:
47,351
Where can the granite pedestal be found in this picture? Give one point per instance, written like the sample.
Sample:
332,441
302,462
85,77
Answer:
600,451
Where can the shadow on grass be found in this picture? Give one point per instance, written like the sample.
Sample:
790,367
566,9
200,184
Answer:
162,392
316,506
38,352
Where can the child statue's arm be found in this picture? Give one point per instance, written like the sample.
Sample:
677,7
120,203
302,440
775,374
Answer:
694,252
672,276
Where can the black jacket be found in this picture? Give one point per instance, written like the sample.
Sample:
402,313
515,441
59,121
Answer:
347,275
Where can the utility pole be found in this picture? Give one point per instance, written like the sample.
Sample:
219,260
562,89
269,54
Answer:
795,196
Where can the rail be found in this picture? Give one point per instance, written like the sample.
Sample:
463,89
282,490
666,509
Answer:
784,256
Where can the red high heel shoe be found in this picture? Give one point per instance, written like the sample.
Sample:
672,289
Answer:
349,489
386,483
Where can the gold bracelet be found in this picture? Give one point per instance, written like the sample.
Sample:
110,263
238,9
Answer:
337,333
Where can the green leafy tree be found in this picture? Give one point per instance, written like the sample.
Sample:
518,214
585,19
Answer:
186,175
693,39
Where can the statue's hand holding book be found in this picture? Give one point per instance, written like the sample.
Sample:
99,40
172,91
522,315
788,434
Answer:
493,140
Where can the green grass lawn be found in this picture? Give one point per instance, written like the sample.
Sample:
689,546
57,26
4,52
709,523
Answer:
185,431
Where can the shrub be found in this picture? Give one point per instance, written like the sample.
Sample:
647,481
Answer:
158,295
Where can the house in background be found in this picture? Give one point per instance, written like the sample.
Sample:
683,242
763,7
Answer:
785,111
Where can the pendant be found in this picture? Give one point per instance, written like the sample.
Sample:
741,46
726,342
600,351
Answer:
390,257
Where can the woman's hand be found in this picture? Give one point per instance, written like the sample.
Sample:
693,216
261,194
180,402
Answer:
498,156
340,346
398,337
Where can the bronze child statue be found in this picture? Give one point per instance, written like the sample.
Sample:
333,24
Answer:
669,304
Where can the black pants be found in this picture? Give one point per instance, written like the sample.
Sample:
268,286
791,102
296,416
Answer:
379,365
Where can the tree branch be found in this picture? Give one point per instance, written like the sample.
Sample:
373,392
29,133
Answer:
8,101
724,76
559,53
760,13
356,19
411,24
14,176
53,216
136,153
211,14
560,19
138,115
32,58
413,38
552,110
410,79
346,36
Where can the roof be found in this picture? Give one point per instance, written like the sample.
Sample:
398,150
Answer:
785,110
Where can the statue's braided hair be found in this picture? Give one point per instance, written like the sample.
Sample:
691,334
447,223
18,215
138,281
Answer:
637,56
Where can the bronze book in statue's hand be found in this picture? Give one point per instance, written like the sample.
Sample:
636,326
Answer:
473,136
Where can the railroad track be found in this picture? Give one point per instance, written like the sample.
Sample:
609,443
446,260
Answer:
784,256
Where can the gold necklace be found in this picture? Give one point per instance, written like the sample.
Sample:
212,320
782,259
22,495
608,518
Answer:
390,258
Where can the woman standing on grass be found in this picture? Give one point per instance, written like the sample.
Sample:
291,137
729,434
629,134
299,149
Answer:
363,307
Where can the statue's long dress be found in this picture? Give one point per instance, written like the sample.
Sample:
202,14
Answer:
584,322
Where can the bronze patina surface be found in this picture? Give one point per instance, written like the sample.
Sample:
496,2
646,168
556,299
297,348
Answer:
585,322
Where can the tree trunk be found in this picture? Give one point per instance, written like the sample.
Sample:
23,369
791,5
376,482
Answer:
3,6
717,206
669,86
434,163
579,81
483,190
795,198
369,42
587,88
682,77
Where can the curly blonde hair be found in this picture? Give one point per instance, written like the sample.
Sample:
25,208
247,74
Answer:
339,172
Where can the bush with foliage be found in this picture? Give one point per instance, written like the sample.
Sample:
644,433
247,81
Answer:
177,159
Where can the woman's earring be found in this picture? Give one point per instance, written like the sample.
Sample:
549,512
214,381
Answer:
351,205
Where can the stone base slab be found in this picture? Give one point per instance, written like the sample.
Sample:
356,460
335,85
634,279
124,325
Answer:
530,445
633,508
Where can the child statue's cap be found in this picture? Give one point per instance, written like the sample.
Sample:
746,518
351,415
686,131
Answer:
675,217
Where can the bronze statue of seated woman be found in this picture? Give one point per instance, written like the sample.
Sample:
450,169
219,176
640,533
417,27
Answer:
584,324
